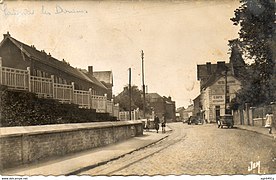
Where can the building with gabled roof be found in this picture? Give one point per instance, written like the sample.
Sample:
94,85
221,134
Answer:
215,94
162,106
209,70
16,54
106,78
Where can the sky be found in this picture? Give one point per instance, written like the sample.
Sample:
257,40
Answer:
109,35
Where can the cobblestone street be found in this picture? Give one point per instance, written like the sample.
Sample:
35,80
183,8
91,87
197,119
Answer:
201,149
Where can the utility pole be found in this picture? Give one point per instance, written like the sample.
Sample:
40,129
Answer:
143,84
225,107
129,89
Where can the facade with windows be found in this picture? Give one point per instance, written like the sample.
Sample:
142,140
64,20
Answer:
218,86
213,97
162,106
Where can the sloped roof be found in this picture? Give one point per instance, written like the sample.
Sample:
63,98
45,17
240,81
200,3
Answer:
42,57
189,108
213,78
91,77
104,76
153,96
180,109
197,97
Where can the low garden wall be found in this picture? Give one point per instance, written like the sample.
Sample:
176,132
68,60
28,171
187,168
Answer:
22,145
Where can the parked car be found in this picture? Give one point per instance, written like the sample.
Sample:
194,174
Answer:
226,120
193,120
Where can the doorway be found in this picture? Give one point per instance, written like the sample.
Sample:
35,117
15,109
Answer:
217,113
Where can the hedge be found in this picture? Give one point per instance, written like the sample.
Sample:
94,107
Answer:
20,108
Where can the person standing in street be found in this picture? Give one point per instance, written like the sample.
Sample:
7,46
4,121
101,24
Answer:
147,124
163,123
269,122
156,123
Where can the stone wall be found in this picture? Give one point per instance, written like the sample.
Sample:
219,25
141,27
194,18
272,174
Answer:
22,145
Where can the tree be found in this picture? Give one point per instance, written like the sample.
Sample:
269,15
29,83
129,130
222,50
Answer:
236,59
256,19
136,100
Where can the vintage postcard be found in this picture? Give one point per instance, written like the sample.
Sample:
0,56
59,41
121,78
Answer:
138,88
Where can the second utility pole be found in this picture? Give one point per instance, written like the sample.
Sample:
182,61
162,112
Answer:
129,89
143,81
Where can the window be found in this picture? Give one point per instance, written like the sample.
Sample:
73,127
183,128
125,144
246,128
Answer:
38,73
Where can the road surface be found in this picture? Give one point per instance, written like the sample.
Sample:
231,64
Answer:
198,150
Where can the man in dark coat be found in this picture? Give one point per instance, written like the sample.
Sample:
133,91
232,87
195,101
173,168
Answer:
156,123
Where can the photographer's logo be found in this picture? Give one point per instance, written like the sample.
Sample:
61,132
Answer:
255,166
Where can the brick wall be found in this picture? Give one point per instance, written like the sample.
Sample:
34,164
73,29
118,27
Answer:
22,145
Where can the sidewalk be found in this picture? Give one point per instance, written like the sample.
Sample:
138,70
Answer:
75,163
257,129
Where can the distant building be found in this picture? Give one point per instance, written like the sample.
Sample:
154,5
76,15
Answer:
179,112
187,112
211,103
170,108
162,106
106,78
197,107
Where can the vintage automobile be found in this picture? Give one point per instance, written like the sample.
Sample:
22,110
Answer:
226,120
193,120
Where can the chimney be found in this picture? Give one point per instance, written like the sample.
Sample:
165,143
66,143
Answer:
220,66
209,69
7,35
90,69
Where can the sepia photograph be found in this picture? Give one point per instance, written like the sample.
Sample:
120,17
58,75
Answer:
138,88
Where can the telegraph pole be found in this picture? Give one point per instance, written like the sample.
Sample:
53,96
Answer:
129,89
143,82
225,94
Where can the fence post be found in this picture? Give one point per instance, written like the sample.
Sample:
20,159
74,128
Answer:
90,98
53,85
118,110
105,95
0,70
112,108
252,115
29,79
72,93
247,113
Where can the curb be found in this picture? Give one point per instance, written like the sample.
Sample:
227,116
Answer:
86,168
267,135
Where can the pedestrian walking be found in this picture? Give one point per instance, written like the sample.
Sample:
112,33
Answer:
269,122
163,124
147,124
156,123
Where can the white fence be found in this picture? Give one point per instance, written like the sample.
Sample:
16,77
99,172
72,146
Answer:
14,78
124,115
47,88
41,86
